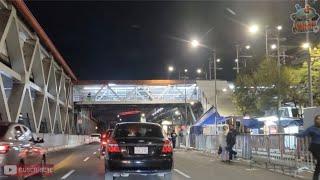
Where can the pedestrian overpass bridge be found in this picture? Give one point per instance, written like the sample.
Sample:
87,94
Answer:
151,92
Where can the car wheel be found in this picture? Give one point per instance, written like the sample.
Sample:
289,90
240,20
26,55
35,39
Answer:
168,176
108,176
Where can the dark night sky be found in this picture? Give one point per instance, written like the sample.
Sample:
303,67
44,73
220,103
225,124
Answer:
138,40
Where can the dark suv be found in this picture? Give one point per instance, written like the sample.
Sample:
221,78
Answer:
138,148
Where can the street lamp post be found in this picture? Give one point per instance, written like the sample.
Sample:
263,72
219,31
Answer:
237,61
267,53
170,70
279,69
194,44
185,93
237,68
307,47
215,77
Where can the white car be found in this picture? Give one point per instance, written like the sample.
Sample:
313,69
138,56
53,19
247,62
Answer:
95,137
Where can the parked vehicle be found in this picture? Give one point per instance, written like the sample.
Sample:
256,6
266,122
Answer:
18,147
104,141
95,137
138,148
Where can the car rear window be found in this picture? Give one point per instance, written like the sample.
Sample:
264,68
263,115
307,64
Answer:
95,135
138,130
3,130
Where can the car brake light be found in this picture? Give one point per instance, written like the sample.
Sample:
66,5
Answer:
113,146
4,148
167,147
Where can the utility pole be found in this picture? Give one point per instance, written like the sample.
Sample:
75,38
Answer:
215,85
278,84
267,53
215,78
210,69
237,60
185,96
309,66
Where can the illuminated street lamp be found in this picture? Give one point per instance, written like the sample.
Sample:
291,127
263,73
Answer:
248,47
305,45
218,60
279,27
195,43
185,70
199,71
253,29
237,63
170,68
273,46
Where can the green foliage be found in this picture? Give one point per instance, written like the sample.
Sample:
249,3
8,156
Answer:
259,91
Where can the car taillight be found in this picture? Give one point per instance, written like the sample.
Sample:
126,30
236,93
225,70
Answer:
167,147
113,146
4,148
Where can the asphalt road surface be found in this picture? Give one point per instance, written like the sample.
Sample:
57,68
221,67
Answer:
83,163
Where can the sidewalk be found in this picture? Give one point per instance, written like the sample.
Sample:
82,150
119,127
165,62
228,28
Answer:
249,165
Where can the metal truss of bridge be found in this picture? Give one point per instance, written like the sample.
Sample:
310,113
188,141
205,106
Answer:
137,92
35,85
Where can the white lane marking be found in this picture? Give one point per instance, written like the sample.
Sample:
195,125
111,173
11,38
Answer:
68,174
182,173
86,159
94,152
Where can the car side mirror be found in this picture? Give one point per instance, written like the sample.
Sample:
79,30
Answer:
38,140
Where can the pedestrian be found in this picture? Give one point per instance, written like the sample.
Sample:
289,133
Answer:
314,132
223,143
173,138
231,141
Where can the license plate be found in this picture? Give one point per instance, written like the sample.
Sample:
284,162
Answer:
140,150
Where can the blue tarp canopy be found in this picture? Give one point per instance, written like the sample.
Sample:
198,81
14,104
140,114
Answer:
252,123
211,117
286,122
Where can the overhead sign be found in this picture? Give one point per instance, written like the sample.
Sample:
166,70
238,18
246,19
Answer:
305,19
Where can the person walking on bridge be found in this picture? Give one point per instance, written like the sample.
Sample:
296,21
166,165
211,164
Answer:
314,133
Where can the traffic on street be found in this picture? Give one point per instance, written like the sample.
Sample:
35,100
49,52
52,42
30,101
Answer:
170,90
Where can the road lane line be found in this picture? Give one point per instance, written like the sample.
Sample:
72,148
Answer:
182,173
68,174
86,159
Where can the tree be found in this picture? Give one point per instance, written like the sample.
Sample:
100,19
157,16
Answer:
262,89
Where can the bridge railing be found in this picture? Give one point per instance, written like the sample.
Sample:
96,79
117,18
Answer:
136,93
277,150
